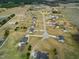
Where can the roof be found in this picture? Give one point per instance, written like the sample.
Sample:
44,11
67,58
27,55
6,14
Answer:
34,18
61,37
24,39
21,44
41,55
32,28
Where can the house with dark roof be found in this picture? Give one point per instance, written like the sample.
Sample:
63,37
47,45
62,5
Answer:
22,43
41,55
61,38
24,39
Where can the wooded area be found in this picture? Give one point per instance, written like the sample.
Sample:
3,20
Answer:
16,3
30,1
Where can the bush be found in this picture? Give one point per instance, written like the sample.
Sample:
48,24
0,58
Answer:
24,27
3,22
55,52
16,23
6,33
12,15
28,55
16,28
29,48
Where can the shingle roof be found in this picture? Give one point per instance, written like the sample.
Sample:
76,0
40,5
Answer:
41,55
61,37
24,39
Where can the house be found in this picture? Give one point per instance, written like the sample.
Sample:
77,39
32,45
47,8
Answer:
34,23
40,55
61,38
22,43
53,17
33,18
24,40
65,30
32,29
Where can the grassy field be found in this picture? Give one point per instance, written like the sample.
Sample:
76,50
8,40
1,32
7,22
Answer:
72,14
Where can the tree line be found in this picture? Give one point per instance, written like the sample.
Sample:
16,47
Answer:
19,1
30,1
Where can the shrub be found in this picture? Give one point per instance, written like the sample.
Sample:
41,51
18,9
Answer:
6,33
29,48
55,52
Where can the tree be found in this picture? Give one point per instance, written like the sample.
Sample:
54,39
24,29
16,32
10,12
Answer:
28,55
6,33
16,23
55,51
3,22
16,28
29,48
63,0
